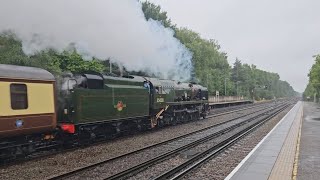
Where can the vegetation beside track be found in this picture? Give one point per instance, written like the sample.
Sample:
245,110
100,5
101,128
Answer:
210,64
312,91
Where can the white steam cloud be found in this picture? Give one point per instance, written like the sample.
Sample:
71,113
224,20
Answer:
113,29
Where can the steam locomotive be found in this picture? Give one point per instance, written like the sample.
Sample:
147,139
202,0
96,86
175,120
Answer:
38,110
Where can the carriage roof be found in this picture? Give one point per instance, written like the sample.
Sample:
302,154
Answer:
26,73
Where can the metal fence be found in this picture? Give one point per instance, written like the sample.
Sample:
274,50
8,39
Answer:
226,98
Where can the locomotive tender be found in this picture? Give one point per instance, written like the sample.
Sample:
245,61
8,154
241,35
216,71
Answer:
36,109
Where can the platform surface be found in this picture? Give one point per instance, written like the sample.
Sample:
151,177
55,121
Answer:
275,155
309,156
229,102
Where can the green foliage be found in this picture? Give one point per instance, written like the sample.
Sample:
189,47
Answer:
72,61
313,88
210,64
11,53
152,11
211,68
11,50
253,82
309,92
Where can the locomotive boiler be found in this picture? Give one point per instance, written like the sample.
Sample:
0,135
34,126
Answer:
38,110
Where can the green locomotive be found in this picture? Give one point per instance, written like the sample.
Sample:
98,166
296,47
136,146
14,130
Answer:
93,105
39,111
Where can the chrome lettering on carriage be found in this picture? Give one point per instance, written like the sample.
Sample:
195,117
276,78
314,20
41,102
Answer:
160,100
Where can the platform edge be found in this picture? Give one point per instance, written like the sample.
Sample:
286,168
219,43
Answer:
233,172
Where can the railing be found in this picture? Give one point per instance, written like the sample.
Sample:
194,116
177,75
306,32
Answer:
226,98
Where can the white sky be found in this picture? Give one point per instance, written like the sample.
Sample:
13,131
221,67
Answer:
277,36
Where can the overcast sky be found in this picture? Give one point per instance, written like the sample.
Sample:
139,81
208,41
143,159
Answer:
277,36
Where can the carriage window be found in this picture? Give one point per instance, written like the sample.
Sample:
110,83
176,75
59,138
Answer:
19,96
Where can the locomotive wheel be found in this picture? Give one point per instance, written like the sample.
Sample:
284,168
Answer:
160,123
182,119
189,117
175,120
198,117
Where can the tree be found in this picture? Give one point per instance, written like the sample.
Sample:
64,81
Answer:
11,52
152,11
210,64
211,68
314,79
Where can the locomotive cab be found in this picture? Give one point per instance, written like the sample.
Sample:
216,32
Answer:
98,105
157,93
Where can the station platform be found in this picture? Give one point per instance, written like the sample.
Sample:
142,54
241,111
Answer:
276,155
309,154
228,103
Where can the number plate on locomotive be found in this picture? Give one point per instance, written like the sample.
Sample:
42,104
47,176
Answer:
160,100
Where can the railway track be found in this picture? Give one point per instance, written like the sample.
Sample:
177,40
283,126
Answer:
47,154
231,108
183,169
167,149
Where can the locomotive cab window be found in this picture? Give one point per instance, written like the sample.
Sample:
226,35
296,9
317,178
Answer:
159,90
19,96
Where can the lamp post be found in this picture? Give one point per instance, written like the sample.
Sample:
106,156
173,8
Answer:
225,86
238,88
253,90
315,94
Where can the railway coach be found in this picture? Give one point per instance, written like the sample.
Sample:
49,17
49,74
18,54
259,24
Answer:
27,107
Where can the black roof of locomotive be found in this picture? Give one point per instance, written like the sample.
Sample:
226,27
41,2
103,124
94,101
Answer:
23,72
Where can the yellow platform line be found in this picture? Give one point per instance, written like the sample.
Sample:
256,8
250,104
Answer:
296,159
284,165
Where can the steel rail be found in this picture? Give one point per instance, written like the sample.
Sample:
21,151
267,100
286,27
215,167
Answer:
221,113
77,171
160,158
50,154
45,154
186,167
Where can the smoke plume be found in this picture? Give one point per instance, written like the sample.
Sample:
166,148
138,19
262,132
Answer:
104,29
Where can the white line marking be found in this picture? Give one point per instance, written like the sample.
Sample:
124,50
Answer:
257,146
